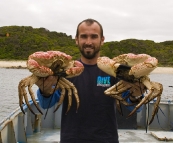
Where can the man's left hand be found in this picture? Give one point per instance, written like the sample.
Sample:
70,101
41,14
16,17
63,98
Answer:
137,89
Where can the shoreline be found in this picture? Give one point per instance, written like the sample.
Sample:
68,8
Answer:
12,64
22,64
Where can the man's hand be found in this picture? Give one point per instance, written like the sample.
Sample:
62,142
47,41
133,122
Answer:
46,84
136,90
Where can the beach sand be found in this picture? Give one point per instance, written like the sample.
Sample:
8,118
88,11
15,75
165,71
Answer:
9,64
18,64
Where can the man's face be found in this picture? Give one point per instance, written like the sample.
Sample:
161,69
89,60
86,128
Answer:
89,40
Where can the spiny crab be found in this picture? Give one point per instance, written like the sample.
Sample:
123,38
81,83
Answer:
132,68
43,64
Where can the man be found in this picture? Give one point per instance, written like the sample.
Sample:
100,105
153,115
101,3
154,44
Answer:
95,121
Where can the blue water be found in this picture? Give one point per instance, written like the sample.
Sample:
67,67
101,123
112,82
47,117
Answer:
9,79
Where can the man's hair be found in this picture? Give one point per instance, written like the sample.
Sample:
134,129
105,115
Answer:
89,21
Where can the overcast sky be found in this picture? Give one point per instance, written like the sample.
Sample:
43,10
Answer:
121,19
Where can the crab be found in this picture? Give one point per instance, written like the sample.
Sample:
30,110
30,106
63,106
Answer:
50,63
132,68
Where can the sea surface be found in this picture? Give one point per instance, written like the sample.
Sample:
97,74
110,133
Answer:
10,78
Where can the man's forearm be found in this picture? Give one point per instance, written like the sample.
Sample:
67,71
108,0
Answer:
48,101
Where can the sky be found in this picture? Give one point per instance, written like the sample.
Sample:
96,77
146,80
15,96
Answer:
121,19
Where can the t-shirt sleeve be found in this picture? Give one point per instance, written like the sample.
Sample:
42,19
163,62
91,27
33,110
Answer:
48,102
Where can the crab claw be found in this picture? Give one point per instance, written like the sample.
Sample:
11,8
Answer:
115,69
38,70
107,65
75,70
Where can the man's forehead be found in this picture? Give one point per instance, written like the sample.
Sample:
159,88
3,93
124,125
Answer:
89,28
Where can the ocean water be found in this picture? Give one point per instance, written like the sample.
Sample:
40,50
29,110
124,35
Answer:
10,78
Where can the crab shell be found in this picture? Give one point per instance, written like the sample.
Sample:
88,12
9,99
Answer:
141,64
44,64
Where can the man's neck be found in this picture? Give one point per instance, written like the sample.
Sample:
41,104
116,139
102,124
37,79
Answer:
89,61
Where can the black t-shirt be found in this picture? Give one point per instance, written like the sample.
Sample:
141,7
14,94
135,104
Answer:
95,120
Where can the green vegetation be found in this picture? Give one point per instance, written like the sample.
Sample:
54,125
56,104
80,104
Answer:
25,40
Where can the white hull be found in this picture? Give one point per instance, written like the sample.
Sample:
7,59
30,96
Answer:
20,128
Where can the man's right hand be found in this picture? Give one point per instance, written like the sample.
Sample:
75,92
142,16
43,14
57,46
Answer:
46,84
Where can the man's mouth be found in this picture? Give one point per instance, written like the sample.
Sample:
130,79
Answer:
88,49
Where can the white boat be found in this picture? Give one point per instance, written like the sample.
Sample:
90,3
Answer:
28,128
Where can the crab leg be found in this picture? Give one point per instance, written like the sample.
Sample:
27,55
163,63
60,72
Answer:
22,92
74,90
157,94
64,83
65,86
61,97
32,93
69,96
20,97
117,89
141,103
118,106
150,96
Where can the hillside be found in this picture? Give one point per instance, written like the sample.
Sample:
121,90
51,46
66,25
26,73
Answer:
18,42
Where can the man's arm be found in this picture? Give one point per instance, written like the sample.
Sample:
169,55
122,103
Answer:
131,101
46,95
136,93
48,101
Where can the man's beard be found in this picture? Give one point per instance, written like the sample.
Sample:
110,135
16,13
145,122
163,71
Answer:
89,54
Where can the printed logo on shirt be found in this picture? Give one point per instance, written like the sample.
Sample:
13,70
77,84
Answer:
103,81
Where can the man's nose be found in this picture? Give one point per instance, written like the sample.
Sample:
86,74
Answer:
88,41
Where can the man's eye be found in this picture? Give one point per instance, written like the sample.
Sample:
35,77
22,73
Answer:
83,36
94,36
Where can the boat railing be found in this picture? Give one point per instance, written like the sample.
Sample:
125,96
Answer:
18,126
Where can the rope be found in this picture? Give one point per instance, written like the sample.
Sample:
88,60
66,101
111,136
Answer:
165,117
51,97
147,118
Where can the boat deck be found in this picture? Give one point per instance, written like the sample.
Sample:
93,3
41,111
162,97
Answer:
29,128
53,136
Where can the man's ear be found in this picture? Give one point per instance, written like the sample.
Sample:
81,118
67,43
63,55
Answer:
76,40
102,40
